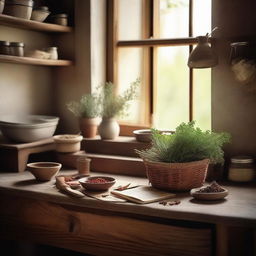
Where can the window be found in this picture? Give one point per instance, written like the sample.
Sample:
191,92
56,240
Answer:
152,39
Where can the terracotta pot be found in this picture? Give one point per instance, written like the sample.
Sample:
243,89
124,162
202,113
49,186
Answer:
109,129
89,126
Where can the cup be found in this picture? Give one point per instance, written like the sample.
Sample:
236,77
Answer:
83,165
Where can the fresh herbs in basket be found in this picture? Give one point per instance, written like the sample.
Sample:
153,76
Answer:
187,144
180,161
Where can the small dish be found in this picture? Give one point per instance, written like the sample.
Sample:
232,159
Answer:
44,171
97,183
208,196
144,135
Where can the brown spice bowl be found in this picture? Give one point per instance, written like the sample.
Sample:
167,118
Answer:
85,182
208,196
44,171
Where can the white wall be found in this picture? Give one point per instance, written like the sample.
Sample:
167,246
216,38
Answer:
25,88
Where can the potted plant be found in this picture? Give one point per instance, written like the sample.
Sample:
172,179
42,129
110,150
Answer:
113,106
88,111
179,161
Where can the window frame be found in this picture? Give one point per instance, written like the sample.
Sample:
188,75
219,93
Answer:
150,20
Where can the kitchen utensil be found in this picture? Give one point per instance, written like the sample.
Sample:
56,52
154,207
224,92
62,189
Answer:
62,186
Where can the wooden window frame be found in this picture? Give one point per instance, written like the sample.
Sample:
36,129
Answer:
150,20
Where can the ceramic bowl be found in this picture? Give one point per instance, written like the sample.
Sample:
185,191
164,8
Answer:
208,196
28,128
144,135
68,143
44,171
40,14
89,185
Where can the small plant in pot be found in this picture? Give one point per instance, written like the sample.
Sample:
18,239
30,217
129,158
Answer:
88,111
179,161
113,106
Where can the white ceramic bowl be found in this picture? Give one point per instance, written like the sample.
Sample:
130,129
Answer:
28,128
68,143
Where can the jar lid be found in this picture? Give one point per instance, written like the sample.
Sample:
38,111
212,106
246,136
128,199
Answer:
4,43
51,48
242,159
42,8
17,44
60,15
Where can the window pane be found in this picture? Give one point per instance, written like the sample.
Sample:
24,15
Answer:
130,19
172,89
202,98
129,69
174,17
201,17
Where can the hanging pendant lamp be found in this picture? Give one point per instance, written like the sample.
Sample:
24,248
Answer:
203,55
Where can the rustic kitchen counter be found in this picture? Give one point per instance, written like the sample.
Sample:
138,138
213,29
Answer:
39,212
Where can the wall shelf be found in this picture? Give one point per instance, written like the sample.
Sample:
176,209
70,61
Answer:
33,25
33,61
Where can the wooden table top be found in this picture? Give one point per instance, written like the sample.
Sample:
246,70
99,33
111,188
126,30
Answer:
238,209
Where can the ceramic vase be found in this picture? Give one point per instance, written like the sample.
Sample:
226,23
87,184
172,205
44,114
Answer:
89,126
109,129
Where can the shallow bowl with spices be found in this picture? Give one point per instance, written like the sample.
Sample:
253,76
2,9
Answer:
97,183
195,192
44,171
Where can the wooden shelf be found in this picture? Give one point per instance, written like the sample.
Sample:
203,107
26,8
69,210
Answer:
33,25
34,61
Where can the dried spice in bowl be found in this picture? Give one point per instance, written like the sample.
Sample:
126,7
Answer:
211,192
212,188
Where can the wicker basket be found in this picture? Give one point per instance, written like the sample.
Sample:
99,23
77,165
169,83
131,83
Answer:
177,176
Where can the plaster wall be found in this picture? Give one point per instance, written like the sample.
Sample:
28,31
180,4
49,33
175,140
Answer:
25,88
233,104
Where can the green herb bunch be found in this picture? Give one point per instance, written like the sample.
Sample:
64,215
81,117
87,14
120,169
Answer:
114,105
87,107
187,144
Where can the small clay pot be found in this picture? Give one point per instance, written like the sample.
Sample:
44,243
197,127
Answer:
89,126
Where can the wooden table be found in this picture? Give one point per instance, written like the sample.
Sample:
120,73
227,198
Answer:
40,213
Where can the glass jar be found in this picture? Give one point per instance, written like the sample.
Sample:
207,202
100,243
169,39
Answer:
60,19
53,52
241,169
4,47
17,49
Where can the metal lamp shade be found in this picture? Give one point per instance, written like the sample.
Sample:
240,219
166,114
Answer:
203,55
